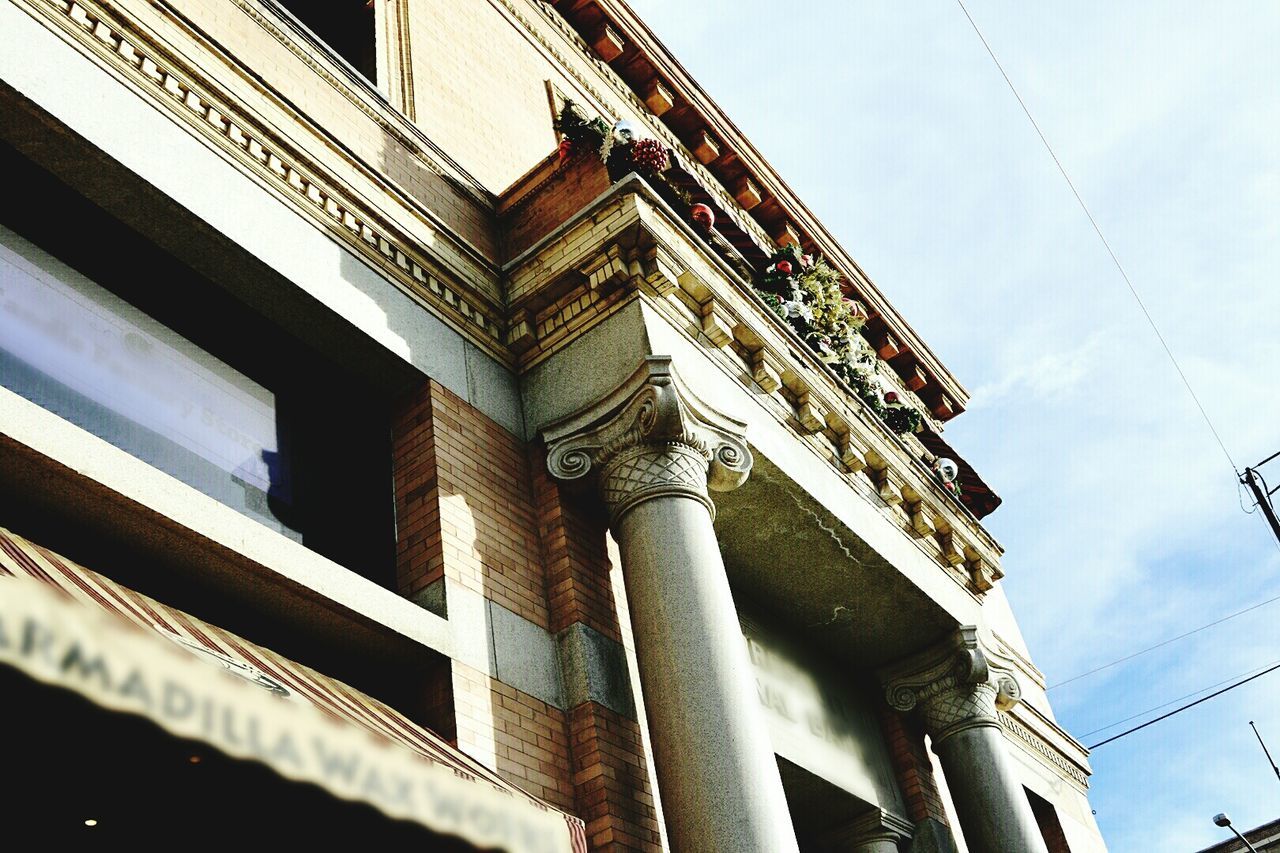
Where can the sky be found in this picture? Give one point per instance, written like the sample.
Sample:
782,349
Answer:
1122,522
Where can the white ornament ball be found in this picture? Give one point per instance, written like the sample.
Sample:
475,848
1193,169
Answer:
624,130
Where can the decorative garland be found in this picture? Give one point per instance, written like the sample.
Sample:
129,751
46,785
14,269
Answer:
620,148
803,291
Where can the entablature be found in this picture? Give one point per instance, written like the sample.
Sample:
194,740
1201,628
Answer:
625,243
744,185
172,60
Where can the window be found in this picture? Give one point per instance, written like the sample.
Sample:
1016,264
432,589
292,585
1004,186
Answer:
107,331
348,27
1047,819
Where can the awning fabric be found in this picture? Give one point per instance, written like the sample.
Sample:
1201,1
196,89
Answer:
130,653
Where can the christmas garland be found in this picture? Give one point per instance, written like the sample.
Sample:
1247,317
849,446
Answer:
619,146
805,292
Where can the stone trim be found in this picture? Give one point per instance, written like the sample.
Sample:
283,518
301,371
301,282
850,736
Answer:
594,668
316,196
1044,751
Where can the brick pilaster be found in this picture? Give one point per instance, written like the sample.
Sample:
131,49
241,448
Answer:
911,766
612,792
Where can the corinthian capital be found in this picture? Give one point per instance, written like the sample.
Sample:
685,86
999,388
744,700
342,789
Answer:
650,436
957,684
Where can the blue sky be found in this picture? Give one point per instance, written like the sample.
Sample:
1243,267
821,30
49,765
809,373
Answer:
1121,518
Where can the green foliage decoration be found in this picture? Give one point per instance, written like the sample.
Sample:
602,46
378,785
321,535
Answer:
805,292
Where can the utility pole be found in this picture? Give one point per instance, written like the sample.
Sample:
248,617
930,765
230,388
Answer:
1264,749
1256,485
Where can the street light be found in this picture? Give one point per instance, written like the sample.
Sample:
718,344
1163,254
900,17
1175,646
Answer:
1223,820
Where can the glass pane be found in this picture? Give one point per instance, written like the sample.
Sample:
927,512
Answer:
79,351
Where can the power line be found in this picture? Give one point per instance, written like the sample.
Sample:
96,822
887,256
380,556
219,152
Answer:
1163,643
1175,701
1133,290
1272,668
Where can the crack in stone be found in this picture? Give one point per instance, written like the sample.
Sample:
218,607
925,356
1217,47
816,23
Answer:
835,616
830,531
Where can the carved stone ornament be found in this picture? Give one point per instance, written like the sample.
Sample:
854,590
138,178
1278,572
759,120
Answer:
650,437
869,827
958,684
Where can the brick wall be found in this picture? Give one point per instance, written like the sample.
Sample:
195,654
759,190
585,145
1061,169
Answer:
524,739
611,780
476,505
463,504
911,766
575,553
537,211
419,544
611,777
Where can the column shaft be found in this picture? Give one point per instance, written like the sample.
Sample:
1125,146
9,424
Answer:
716,768
994,813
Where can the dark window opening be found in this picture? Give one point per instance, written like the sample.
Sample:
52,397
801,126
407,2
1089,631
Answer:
1047,819
106,330
346,26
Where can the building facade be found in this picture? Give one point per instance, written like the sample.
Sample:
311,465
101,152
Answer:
538,470
1262,839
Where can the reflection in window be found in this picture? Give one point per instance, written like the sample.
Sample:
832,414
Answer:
296,447
77,350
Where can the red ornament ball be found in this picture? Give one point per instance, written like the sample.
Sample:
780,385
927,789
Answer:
649,156
703,215
891,397
784,267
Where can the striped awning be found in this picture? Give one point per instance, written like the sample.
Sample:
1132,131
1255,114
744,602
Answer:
127,652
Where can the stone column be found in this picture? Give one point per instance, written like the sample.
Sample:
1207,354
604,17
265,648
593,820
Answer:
958,687
653,450
877,831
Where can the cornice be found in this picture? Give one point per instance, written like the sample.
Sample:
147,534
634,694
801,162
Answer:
673,73
140,59
626,245
1045,751
1020,660
549,17
353,87
356,90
